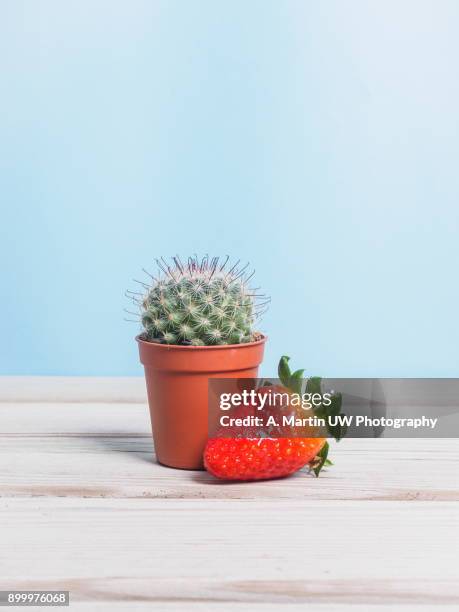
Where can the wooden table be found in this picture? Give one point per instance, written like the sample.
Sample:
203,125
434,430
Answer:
85,508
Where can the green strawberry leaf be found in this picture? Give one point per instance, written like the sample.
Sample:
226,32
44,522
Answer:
335,407
314,385
296,381
319,460
284,370
338,431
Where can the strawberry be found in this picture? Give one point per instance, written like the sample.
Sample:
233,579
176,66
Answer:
259,458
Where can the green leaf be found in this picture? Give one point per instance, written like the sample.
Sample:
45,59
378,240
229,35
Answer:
335,407
284,370
337,431
320,459
296,381
314,385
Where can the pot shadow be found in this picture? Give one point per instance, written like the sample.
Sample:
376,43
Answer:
138,447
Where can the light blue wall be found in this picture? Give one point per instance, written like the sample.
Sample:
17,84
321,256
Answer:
319,140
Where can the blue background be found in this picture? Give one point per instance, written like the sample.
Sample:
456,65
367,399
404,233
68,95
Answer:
319,140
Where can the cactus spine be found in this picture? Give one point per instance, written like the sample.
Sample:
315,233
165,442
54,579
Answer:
203,302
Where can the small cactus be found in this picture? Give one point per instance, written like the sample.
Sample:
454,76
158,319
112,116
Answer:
203,302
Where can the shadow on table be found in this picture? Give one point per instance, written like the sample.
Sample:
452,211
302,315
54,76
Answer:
136,446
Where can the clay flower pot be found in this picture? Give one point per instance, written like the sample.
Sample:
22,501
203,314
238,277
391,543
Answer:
177,385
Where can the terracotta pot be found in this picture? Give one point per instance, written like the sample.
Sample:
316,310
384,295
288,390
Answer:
177,385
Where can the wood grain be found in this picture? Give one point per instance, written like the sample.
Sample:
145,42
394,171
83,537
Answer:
105,450
280,551
85,508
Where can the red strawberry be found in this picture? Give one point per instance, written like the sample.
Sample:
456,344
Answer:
259,458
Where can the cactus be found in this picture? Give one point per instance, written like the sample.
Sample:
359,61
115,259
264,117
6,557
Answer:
200,303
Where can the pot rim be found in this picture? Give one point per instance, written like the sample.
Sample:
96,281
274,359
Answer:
168,347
